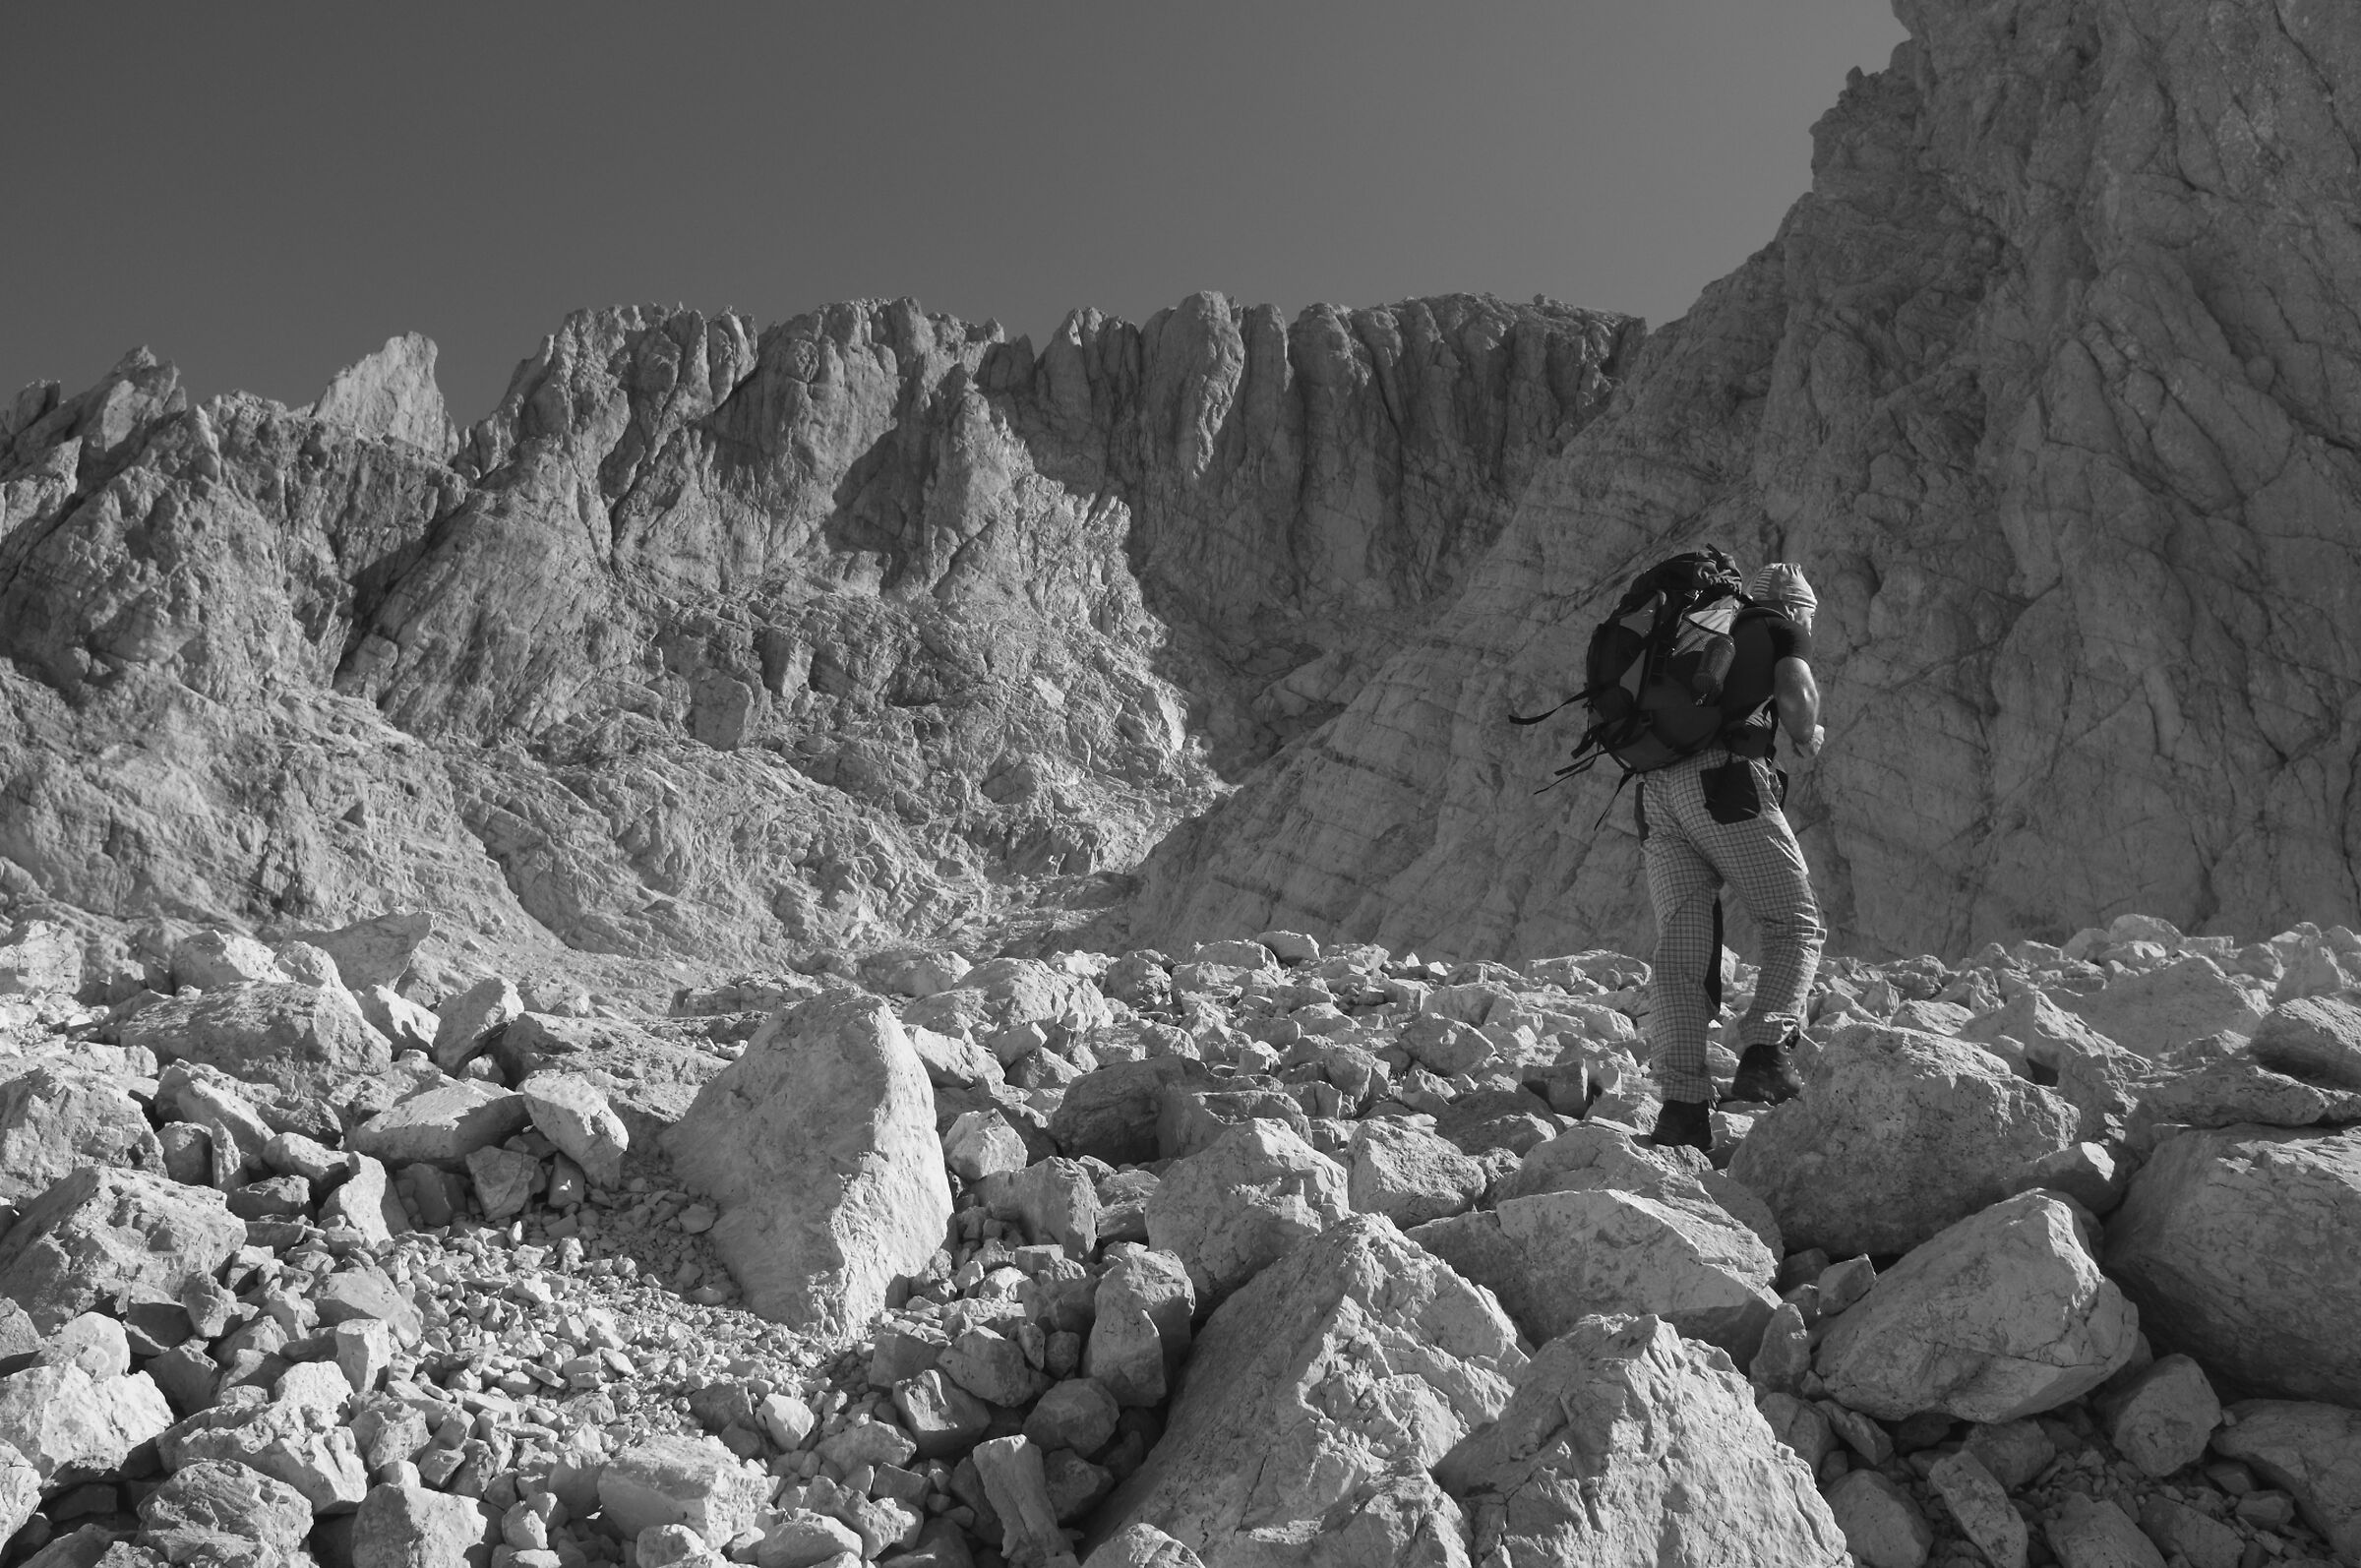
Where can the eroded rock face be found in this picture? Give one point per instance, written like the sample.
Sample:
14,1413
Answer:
819,1145
1898,1134
1313,1403
1625,1443
2048,422
2232,1243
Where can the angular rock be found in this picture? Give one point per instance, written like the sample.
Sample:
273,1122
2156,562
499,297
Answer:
1058,1204
1315,1399
1980,1506
41,957
20,1488
944,1419
1625,1443
650,1082
2311,1449
1111,1112
2317,1038
2199,1538
54,1119
363,1202
994,1367
1882,1526
471,1023
2231,1244
1011,1471
1228,1212
1407,1176
2098,1534
681,1481
504,1180
2238,1089
1142,1546
376,951
218,960
2157,1012
803,1539
980,1144
1595,1154
1896,1135
572,1111
411,1526
442,1126
298,1444
820,1144
2162,1418
2002,1315
70,1427
95,1236
215,1512
1141,1324
304,1038
1078,1414
1556,1258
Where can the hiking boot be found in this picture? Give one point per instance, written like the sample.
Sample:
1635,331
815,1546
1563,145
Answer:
1767,1073
1688,1122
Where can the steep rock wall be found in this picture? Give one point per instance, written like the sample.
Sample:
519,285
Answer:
718,643
2053,382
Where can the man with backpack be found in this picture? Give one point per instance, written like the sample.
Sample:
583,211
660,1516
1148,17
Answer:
1713,818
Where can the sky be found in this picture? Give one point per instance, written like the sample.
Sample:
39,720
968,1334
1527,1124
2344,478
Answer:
263,192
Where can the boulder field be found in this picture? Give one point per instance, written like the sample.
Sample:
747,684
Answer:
947,1261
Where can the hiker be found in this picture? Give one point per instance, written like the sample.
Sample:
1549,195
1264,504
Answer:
1713,818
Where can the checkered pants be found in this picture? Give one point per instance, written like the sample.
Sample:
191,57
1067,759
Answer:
1690,855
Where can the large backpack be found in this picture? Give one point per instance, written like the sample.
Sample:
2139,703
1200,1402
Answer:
1653,677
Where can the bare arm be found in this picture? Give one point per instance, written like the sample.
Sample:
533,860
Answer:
1799,697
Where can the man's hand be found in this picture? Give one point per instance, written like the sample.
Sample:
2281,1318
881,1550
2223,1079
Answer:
1819,739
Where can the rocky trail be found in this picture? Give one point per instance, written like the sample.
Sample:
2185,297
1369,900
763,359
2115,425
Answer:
1263,1253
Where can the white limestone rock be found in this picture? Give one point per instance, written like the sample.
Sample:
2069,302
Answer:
2234,1244
1882,1526
681,1481
1627,1444
2157,1012
1229,1210
1407,1174
71,1427
572,1111
1554,1259
391,396
2317,1038
1314,1402
307,1039
2314,1451
1895,1135
2164,1418
96,1235
55,1119
819,1145
2002,1315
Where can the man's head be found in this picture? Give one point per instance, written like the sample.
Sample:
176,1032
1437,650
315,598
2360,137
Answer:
1781,585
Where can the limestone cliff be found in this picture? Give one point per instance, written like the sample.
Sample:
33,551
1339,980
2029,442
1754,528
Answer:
2053,382
721,643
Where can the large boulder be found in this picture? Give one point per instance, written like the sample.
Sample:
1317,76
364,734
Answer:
1010,992
1554,1259
2000,1317
1110,1113
442,1126
53,1119
72,1426
819,1145
651,1083
1236,1207
2317,1038
1597,1154
1897,1134
2313,1451
96,1235
2155,1012
1313,1405
302,1038
375,951
1408,1174
217,1512
2237,1245
1627,1444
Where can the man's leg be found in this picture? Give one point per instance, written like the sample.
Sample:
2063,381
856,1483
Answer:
1765,867
1682,884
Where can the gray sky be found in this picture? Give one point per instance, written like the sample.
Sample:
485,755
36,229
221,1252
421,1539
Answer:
263,192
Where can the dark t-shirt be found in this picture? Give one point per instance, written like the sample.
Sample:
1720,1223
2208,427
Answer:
1763,637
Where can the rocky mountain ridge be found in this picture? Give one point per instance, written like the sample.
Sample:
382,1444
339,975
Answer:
712,639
